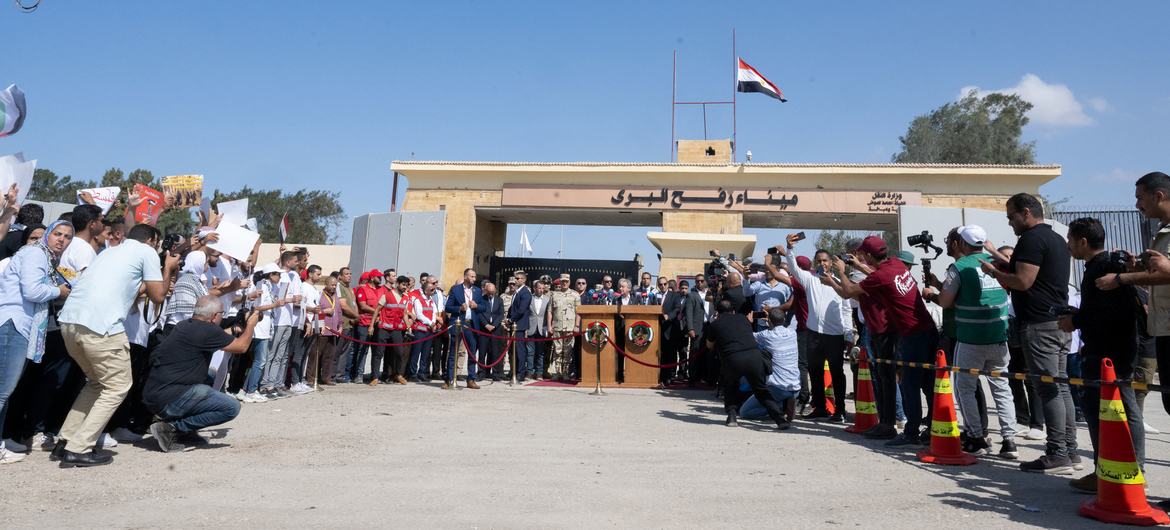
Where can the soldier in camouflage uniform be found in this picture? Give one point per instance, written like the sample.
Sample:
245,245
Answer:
563,320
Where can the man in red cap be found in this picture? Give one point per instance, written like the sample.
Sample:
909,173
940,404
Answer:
367,295
890,284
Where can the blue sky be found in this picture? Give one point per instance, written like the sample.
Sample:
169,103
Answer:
326,94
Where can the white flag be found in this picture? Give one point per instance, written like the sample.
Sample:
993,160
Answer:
525,244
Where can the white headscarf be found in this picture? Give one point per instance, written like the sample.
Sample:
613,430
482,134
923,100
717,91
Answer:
195,263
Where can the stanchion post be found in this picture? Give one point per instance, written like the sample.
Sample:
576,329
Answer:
597,391
453,349
512,352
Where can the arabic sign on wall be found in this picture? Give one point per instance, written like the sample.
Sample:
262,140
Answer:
717,199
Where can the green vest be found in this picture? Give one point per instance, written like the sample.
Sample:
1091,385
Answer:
981,307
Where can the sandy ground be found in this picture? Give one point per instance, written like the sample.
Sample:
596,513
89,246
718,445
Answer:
417,456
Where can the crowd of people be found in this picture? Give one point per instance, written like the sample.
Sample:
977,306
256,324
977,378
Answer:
112,332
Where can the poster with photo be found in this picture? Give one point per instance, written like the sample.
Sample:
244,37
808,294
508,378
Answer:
183,191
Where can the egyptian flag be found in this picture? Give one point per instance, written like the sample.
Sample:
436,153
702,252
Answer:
751,81
284,228
11,110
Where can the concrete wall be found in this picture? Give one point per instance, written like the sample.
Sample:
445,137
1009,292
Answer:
704,151
329,257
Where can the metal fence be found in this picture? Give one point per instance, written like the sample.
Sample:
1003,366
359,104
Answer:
1124,229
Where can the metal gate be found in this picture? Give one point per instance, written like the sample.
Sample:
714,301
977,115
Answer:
591,269
1124,229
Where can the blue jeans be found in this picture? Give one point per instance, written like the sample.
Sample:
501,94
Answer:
357,362
753,410
473,348
534,353
259,356
200,407
916,382
420,358
13,348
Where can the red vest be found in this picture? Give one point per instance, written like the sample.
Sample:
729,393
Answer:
428,309
394,312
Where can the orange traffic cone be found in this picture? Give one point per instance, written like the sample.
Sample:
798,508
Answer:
1121,497
865,414
944,426
830,397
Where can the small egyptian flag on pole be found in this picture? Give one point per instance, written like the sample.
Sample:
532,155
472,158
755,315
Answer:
283,229
750,80
12,110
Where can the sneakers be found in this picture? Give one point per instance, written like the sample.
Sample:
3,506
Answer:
167,437
1049,464
977,445
10,457
731,421
836,418
241,395
1150,429
105,441
44,440
1035,434
14,446
902,440
300,388
1075,460
1008,451
126,436
1087,483
254,397
816,414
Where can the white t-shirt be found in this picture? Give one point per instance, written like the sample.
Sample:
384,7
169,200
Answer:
76,258
263,328
137,328
289,286
309,300
223,271
102,297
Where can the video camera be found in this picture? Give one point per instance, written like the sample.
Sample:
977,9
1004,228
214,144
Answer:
925,241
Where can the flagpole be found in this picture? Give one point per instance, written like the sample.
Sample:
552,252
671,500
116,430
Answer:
734,89
673,98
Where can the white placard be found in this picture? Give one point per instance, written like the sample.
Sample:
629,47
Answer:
233,212
14,169
235,241
103,198
250,224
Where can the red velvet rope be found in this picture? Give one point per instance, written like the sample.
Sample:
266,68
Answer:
651,365
383,344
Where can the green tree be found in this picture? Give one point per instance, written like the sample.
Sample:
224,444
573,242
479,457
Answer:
314,216
839,242
973,130
47,186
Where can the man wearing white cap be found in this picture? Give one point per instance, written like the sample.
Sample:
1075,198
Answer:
981,330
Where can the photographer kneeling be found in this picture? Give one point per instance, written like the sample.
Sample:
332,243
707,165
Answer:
176,389
730,334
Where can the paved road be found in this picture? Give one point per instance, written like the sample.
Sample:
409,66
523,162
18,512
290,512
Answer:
418,456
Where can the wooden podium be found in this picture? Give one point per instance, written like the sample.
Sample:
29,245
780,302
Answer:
590,354
637,375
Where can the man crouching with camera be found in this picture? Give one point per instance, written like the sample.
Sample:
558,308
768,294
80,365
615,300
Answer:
176,390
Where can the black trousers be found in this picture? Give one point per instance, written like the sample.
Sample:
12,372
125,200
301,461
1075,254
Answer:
389,361
885,377
132,413
802,364
1162,350
674,341
749,365
829,348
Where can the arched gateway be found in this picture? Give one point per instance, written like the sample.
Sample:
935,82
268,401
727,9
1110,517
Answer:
697,206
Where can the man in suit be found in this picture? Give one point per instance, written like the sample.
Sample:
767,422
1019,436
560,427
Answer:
696,315
538,328
490,314
463,301
518,321
672,332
